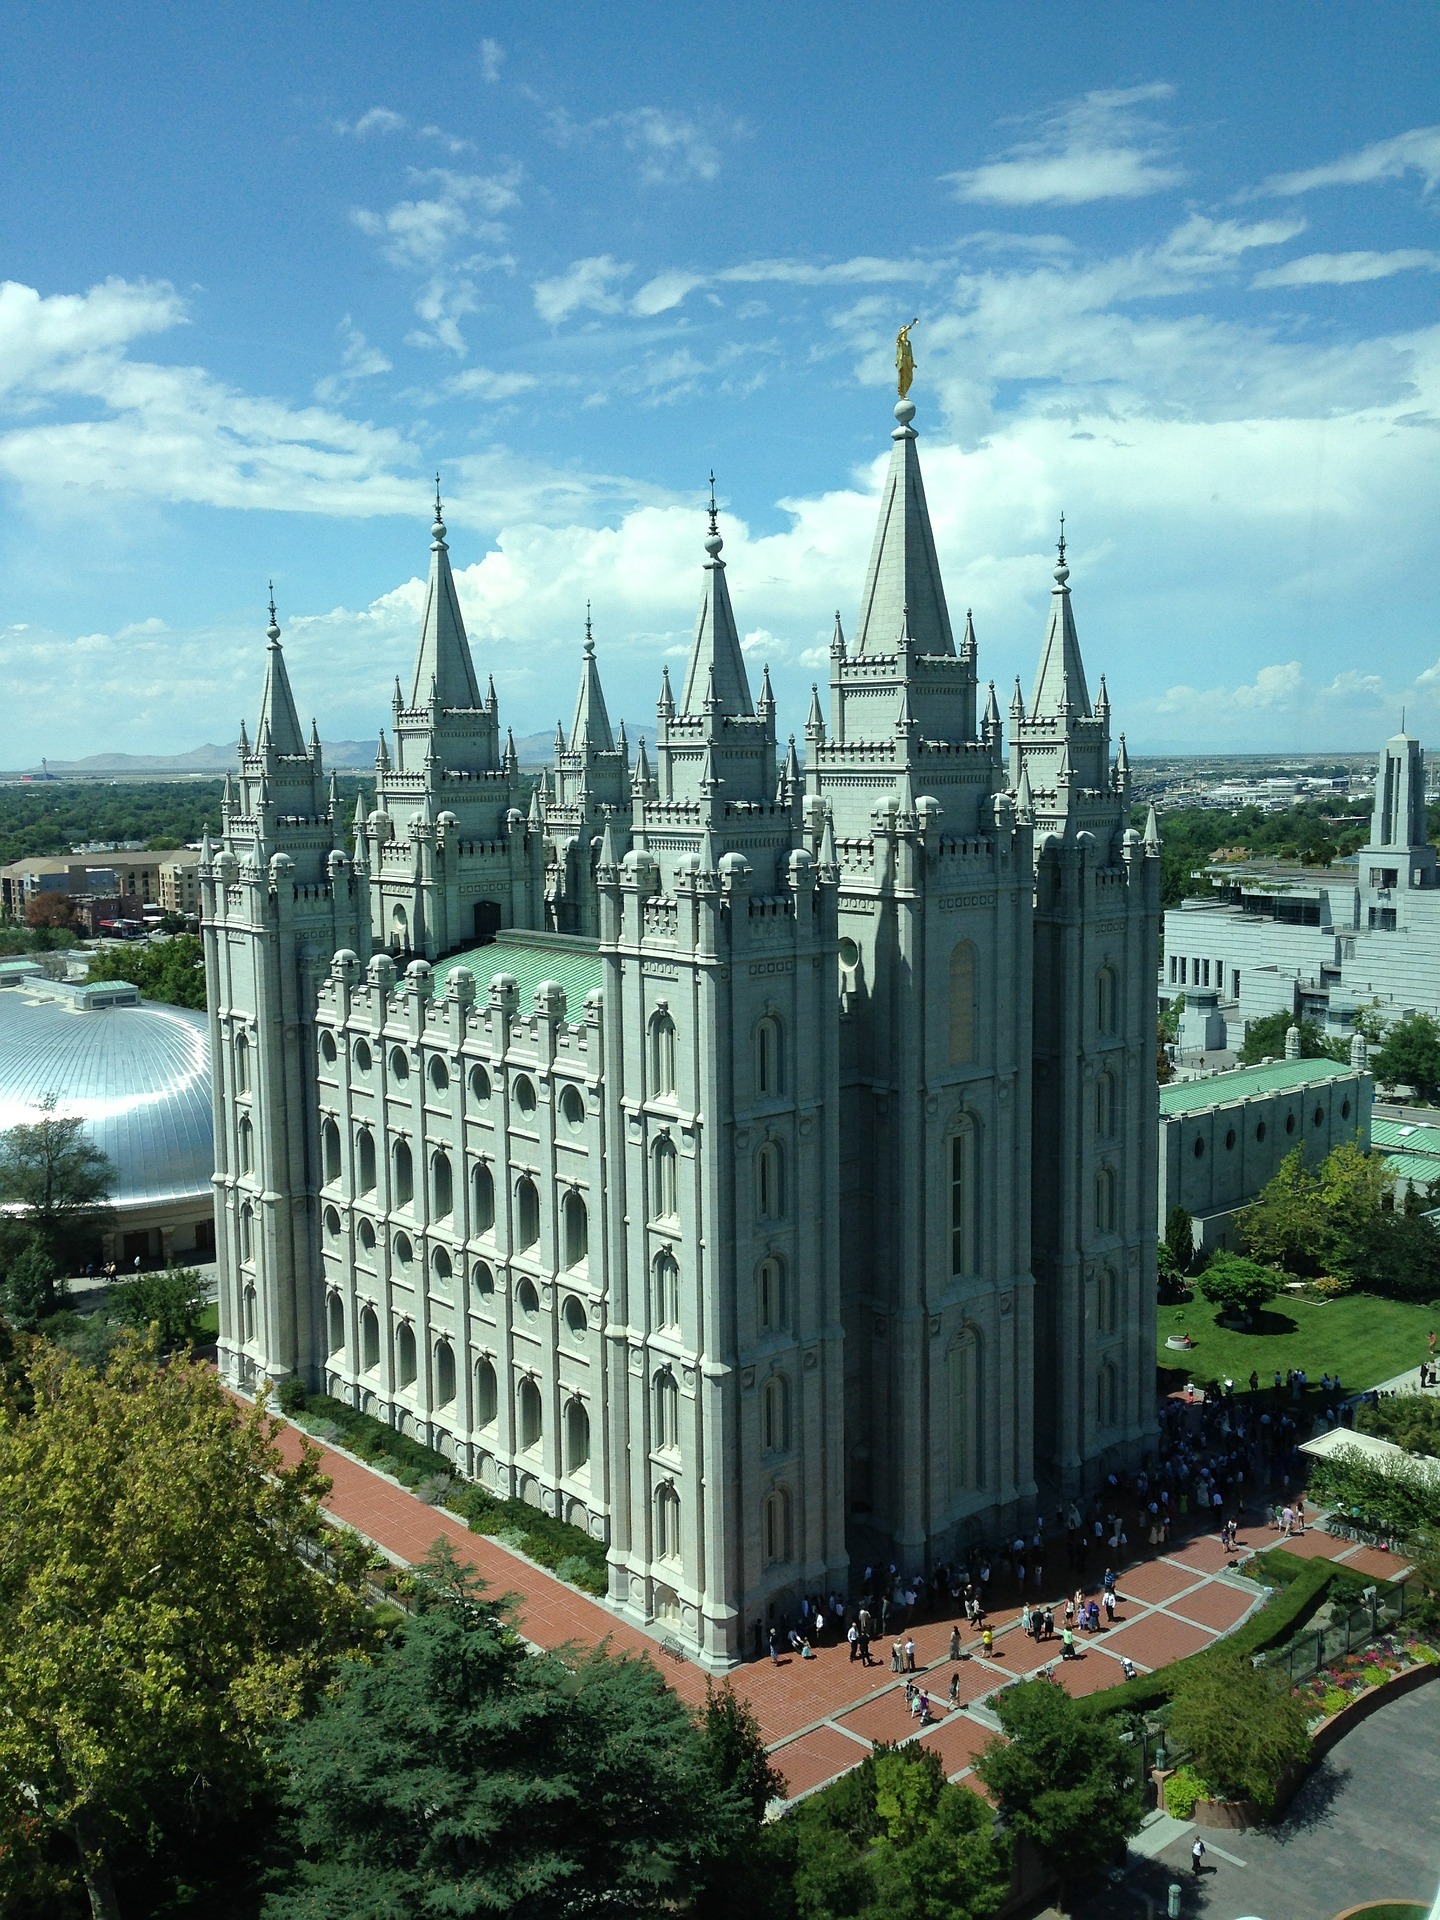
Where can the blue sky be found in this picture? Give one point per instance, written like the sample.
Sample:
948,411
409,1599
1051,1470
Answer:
268,266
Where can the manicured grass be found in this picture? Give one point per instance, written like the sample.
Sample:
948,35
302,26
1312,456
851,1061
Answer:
1364,1339
1390,1910
207,1327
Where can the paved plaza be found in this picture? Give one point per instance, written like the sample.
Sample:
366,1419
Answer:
820,1717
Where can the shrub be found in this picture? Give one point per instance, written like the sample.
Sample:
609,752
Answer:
1334,1700
1243,1724
292,1395
1237,1285
1182,1790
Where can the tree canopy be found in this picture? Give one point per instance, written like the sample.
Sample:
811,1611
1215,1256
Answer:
462,1774
1341,1221
60,1181
1243,1724
171,970
1236,1284
1265,1040
1062,1780
1409,1052
160,1623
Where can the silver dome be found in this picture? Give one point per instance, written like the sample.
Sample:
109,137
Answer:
138,1075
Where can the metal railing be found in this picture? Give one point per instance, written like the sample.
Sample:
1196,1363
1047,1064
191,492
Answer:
1380,1610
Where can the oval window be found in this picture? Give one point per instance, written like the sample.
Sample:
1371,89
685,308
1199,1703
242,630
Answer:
479,1083
1344,1109
327,1048
525,1094
1319,1116
362,1056
575,1317
1289,1123
404,1252
1199,1149
367,1236
1230,1140
572,1109
527,1299
399,1065
849,953
1260,1130
439,1075
332,1224
483,1280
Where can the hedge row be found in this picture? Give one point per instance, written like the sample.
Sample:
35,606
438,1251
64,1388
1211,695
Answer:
567,1551
1302,1594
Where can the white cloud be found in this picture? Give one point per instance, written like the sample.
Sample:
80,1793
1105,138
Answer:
436,234
671,287
671,147
480,383
453,143
377,120
492,59
586,285
1098,148
358,361
1416,151
1347,269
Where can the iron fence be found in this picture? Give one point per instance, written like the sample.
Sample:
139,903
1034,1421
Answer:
1378,1612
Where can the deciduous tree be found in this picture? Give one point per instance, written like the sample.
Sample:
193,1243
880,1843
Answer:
1409,1054
59,1183
1236,1284
1243,1724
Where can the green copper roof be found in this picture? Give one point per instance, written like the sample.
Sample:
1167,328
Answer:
1245,1083
531,958
1412,1138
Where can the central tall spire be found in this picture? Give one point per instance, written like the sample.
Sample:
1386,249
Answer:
903,587
592,722
443,665
716,680
1060,683
278,721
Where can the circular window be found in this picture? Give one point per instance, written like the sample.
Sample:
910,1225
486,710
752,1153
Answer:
361,1056
1344,1109
439,1075
404,1252
1230,1140
575,1320
527,1299
525,1094
483,1280
1260,1131
332,1224
399,1065
367,1236
327,1048
440,1264
849,953
1199,1149
572,1109
479,1083
1319,1116
1289,1123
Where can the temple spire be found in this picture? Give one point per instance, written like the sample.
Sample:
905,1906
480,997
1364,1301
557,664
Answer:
278,718
592,722
716,679
1060,682
443,660
903,589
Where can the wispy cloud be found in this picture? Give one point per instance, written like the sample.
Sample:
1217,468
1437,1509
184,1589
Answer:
481,383
1347,269
671,147
1099,148
1417,151
492,59
587,285
358,361
377,120
436,234
674,285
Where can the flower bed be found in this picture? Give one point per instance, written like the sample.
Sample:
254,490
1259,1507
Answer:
1337,1686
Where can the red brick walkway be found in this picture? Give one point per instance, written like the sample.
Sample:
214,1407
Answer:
819,1717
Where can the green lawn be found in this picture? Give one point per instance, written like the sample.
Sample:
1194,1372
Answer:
208,1325
1365,1339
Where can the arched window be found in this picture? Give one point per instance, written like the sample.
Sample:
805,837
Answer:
1105,1107
334,1323
775,1527
531,1416
365,1159
405,1354
662,1055
1105,1200
399,930
577,1436
775,1414
1108,1396
242,1063
487,1394
1109,1303
399,1066
403,1183
577,1229
770,1181
482,1199
479,1084
667,1523
965,1429
442,1186
962,1005
444,1373
248,1305
663,1179
964,1189
527,1212
666,1288
667,1411
772,1301
1106,1001
330,1144
247,1232
246,1134
769,1057
440,1267
369,1340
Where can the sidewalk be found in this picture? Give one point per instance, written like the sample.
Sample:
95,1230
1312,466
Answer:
820,1717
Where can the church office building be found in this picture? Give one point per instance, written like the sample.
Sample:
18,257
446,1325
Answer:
750,1163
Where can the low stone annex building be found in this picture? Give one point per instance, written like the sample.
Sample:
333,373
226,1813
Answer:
754,1165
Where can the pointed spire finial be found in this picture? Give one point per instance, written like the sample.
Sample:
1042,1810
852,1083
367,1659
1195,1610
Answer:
589,636
1062,570
437,532
272,632
714,528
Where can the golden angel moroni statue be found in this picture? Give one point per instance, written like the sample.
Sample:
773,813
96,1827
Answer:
904,359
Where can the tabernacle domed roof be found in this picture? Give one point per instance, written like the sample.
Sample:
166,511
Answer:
138,1074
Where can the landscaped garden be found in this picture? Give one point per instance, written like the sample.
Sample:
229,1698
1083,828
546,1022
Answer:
1363,1339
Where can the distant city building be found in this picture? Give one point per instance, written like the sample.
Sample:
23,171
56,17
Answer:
133,875
754,1166
1322,943
138,1075
180,885
1222,1137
